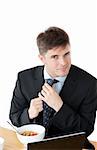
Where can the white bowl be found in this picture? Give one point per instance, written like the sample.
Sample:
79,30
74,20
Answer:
30,139
1,143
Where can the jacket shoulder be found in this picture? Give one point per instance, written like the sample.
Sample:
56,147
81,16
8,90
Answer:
81,73
30,71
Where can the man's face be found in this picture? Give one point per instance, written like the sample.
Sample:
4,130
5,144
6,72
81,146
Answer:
57,61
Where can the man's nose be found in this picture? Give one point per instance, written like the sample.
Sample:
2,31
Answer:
62,61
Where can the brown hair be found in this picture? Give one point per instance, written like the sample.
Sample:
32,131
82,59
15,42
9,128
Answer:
52,37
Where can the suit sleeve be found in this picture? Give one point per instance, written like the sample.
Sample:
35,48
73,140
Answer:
19,107
82,119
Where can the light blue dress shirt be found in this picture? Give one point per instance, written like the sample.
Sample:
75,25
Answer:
57,86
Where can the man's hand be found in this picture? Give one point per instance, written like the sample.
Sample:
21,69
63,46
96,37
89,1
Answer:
50,96
36,106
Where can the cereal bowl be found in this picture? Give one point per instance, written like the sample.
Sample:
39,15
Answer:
1,143
30,133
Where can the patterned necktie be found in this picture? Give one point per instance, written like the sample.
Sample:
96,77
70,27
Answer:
47,110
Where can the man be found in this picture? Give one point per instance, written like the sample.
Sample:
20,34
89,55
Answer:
73,98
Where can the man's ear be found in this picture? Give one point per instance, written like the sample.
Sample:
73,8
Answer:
42,58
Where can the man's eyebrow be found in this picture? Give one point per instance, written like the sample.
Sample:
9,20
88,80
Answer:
53,55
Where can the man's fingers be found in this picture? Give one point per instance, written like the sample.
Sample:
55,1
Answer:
40,109
45,88
43,93
36,101
41,97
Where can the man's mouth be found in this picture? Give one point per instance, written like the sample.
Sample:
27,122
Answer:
63,68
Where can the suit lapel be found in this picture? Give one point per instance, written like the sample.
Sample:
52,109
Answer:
69,85
39,79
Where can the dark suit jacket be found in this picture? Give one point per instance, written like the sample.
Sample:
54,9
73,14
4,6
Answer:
79,95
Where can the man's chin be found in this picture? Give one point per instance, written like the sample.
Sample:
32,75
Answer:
63,74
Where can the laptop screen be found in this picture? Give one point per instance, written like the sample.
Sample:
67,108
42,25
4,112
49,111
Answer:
67,142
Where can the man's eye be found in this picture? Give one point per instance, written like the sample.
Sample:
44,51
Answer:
67,54
55,57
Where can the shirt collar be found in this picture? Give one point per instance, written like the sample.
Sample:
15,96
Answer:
47,76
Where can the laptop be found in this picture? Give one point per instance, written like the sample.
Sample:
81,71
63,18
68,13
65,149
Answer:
76,141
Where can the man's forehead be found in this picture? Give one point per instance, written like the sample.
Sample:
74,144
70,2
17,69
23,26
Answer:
58,50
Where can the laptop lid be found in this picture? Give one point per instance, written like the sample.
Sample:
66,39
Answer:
74,141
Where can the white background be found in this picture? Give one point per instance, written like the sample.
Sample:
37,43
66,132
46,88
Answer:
20,23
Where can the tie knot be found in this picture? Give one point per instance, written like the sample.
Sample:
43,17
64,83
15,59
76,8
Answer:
51,81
